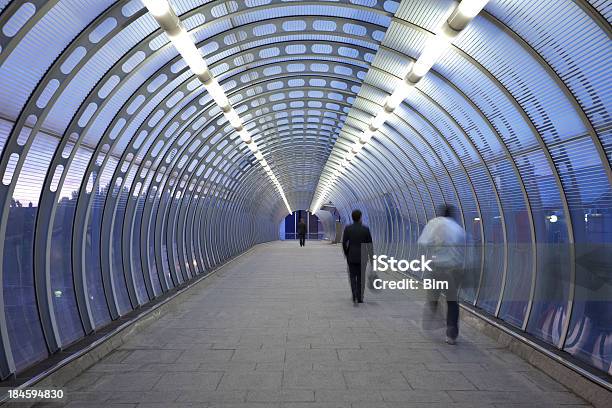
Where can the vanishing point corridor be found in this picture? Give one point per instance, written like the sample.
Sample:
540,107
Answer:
276,328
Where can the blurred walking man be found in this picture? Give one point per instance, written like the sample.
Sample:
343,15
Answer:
445,240
301,230
357,247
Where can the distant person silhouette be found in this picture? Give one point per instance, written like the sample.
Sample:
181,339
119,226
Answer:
445,240
357,248
301,230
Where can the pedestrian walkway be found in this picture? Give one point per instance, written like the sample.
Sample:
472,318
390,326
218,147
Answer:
277,328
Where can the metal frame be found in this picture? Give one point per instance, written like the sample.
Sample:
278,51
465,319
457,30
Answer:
154,216
542,147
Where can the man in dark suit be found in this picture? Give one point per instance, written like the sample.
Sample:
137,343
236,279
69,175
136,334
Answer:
301,230
358,250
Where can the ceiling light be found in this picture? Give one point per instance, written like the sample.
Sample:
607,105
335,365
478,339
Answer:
165,16
471,8
244,135
217,93
399,94
158,8
233,118
190,53
434,48
366,137
381,118
252,146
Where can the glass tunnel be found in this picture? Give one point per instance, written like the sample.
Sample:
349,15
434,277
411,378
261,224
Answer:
144,143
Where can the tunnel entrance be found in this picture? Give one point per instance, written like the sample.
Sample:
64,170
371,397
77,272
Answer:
288,227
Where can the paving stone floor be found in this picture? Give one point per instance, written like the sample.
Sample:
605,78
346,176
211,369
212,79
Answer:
277,328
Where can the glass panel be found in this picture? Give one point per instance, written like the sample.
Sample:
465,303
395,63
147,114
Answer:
116,260
590,200
520,251
553,269
24,330
62,288
493,245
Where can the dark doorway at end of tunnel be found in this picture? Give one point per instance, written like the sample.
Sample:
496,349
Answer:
288,227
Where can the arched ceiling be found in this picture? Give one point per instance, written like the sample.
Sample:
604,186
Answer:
100,113
122,178
112,82
507,85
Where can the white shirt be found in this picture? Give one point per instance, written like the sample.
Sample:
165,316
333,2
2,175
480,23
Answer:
446,240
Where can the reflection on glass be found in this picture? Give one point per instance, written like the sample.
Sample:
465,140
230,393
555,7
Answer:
24,328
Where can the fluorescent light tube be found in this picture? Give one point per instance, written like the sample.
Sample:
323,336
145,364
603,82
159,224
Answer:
185,45
252,146
381,118
190,53
434,48
217,93
158,8
366,137
471,8
233,118
244,135
399,94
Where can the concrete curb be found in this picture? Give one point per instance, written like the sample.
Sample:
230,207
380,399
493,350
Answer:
585,388
548,363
